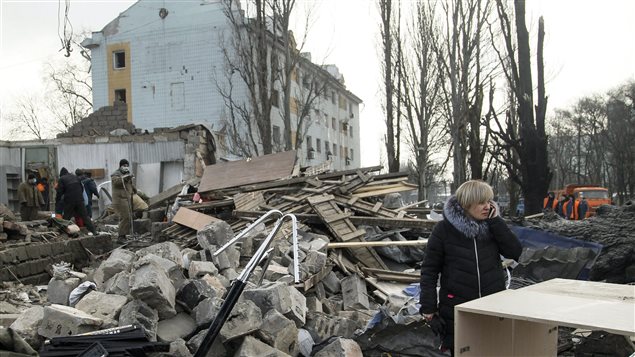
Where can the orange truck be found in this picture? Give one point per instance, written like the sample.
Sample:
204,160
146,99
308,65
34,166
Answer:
594,194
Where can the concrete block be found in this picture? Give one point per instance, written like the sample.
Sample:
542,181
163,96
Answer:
7,308
119,260
332,284
175,328
199,269
206,310
354,293
119,284
142,225
167,250
313,304
178,348
314,262
322,326
229,258
333,305
341,347
217,349
244,319
251,346
297,311
156,231
150,284
188,255
101,305
230,274
279,332
27,324
156,215
218,283
58,291
287,300
60,320
193,292
138,312
167,265
214,234
275,271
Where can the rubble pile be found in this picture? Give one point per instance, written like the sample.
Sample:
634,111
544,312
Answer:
612,227
357,251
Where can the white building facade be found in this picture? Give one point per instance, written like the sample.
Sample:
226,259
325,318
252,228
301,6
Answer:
165,60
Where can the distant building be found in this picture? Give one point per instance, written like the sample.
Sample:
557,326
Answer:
165,60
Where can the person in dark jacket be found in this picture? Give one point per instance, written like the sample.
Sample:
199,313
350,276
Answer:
583,207
90,187
71,193
465,248
570,207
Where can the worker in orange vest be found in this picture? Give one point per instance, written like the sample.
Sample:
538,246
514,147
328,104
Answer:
549,203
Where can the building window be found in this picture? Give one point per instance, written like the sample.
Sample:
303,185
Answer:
327,149
119,59
275,98
334,149
352,155
350,130
345,128
310,151
333,97
120,95
318,145
334,123
275,133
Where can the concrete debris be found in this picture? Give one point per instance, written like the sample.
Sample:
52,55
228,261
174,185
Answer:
170,279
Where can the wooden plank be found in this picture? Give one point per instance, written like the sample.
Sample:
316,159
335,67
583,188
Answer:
245,172
248,201
338,217
346,231
403,243
377,206
193,219
170,193
384,190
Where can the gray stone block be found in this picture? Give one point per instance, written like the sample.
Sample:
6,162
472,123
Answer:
193,292
58,291
322,326
150,284
332,284
178,348
215,234
138,312
244,319
104,306
119,284
217,349
60,320
279,332
354,293
297,311
251,347
341,347
27,324
167,250
119,260
206,310
156,230
142,225
175,328
313,304
199,269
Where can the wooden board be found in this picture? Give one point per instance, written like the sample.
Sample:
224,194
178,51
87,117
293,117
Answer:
524,321
247,172
193,219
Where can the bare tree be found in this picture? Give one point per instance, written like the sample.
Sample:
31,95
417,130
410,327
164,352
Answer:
531,143
620,137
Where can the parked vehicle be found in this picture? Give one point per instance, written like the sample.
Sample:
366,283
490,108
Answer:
594,194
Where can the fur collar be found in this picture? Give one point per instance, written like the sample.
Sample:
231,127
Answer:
458,218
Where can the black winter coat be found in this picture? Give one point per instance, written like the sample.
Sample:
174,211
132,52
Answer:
467,255
70,187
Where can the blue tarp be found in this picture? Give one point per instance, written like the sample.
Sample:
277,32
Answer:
537,240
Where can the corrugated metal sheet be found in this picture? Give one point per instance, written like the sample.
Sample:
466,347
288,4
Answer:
107,156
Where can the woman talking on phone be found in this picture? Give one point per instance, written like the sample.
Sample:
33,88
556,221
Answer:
464,248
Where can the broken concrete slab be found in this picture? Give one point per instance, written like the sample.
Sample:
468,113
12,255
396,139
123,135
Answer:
354,293
150,284
206,310
279,332
251,346
322,326
167,250
215,234
217,282
174,328
245,318
60,320
27,324
119,284
58,291
199,269
137,312
193,292
341,347
104,306
119,260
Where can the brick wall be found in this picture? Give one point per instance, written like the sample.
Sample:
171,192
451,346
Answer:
101,122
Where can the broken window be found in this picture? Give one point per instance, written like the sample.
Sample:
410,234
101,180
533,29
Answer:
318,145
120,95
275,98
119,59
334,149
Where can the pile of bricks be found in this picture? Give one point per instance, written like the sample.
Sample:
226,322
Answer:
101,122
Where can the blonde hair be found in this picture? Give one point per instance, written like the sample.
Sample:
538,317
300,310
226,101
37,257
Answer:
473,192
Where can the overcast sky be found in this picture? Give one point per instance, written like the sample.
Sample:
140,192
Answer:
589,48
